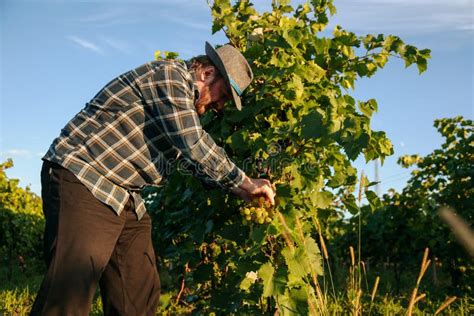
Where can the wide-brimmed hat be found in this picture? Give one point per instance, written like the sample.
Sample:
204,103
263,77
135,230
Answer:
234,68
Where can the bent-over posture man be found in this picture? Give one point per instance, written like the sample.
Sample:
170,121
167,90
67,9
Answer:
97,229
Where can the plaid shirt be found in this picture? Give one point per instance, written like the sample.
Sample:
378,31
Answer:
131,132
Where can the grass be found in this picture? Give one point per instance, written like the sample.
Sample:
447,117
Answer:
19,301
359,293
17,296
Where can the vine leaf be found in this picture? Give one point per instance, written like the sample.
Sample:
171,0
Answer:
266,272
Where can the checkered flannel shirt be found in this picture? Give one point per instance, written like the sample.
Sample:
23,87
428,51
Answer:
131,132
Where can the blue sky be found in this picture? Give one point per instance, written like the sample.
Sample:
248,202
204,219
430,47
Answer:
55,55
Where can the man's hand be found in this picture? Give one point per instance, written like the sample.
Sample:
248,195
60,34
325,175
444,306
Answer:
253,188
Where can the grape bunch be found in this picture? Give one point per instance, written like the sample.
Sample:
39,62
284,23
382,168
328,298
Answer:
258,211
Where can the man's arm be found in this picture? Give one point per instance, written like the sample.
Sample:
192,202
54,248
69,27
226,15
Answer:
178,120
242,191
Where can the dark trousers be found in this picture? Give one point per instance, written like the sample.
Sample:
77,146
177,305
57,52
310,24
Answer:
86,244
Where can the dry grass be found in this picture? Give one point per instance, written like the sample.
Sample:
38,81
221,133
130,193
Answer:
414,298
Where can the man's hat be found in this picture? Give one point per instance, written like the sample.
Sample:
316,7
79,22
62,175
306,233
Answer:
234,68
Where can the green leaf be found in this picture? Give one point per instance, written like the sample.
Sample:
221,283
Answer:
302,261
374,200
238,140
322,199
294,261
312,125
380,59
284,194
157,55
368,108
258,234
297,180
266,272
353,146
422,64
351,205
284,190
313,72
288,305
314,255
298,87
216,26
171,55
292,36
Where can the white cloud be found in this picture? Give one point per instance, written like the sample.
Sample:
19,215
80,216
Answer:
196,19
117,45
16,152
86,44
206,26
108,16
462,3
103,44
124,12
412,17
466,27
101,17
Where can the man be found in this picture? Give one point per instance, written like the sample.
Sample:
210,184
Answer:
97,230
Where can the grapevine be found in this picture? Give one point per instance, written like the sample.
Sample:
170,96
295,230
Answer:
302,129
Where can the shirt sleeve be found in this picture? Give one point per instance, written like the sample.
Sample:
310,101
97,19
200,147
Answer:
178,120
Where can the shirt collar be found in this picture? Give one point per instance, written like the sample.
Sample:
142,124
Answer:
195,86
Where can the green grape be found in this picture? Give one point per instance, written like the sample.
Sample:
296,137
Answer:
258,212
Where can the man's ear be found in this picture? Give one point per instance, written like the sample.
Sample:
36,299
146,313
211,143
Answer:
208,74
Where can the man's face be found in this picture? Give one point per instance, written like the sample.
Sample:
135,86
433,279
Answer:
213,96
